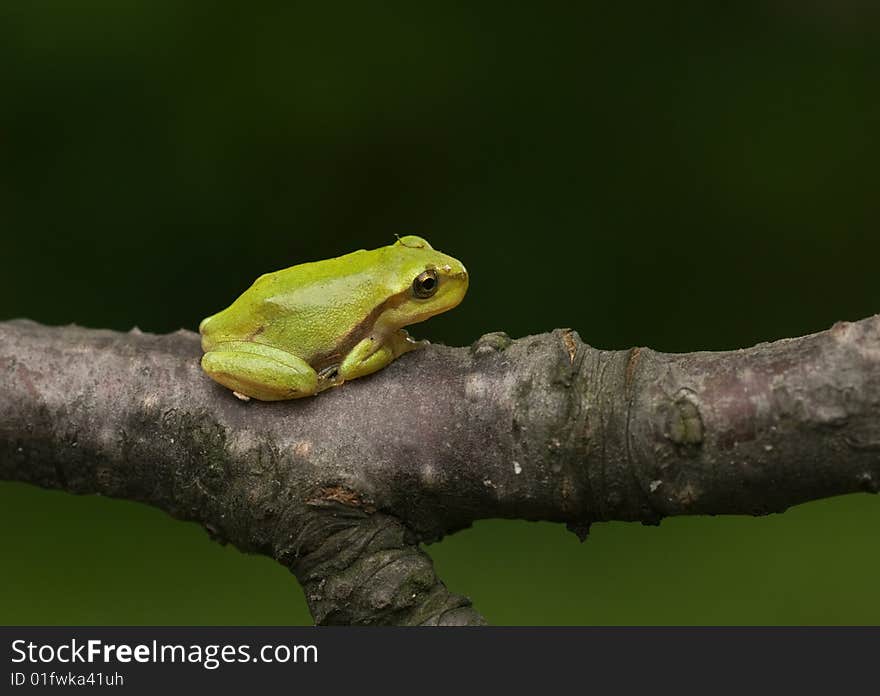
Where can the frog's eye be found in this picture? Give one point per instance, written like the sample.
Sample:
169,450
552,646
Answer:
426,284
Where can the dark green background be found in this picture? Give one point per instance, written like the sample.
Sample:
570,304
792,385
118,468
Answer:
682,177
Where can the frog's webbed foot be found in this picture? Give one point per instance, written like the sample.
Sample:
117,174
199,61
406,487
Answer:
405,343
329,377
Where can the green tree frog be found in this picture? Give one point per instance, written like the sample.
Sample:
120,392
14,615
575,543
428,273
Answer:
304,329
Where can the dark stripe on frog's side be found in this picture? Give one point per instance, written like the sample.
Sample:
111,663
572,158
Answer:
330,359
256,332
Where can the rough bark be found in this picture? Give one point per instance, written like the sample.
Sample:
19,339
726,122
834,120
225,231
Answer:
342,488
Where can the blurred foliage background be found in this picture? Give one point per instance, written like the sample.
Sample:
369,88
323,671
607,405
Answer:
686,176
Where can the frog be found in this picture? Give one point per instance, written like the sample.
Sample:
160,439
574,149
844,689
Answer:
302,330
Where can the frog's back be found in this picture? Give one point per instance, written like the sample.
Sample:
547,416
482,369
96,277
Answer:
309,310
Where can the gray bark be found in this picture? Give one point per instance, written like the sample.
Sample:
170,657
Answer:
342,488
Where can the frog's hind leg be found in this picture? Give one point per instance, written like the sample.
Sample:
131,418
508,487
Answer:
259,371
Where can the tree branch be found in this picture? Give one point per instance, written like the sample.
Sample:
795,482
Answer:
342,488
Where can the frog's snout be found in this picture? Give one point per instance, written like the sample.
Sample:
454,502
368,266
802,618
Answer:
461,275
456,271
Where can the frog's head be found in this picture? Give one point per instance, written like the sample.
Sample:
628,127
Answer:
427,282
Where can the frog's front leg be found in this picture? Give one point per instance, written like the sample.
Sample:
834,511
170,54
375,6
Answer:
260,371
373,354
